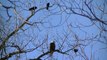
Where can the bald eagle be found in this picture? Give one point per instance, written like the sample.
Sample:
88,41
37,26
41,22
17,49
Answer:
47,6
52,47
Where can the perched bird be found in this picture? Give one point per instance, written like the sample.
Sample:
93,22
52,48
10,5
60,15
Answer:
75,50
47,6
52,47
32,8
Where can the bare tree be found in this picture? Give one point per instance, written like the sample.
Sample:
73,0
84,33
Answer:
76,26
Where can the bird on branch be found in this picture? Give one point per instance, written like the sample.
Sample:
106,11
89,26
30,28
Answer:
75,50
32,9
47,6
52,47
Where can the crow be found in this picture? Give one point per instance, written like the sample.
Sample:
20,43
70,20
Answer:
47,6
32,8
75,50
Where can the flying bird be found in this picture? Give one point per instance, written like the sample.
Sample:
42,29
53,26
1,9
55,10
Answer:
52,47
47,6
32,8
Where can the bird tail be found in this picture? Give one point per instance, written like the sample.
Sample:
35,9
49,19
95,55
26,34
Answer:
51,53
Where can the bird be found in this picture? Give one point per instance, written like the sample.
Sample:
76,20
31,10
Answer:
75,50
52,47
32,8
47,6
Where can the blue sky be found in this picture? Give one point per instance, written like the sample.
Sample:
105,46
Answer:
60,21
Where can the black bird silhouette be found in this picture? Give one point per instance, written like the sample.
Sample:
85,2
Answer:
32,8
47,6
75,50
52,47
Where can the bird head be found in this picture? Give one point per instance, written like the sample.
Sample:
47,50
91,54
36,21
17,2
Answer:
52,41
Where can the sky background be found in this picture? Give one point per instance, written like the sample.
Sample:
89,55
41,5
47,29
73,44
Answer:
60,21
